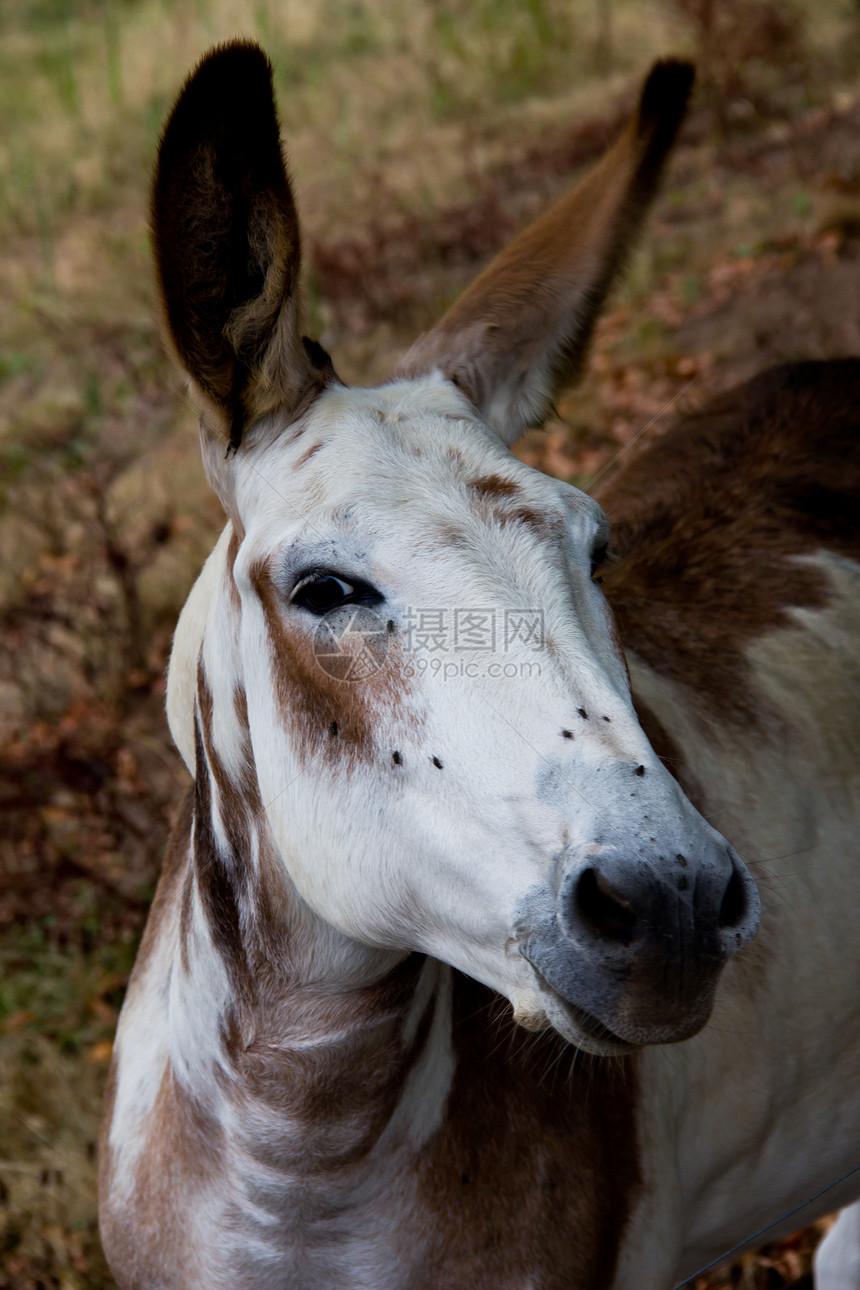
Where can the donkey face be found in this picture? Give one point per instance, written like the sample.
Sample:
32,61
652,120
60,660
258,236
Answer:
400,632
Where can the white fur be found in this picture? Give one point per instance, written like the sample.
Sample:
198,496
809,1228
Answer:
187,641
368,505
837,1259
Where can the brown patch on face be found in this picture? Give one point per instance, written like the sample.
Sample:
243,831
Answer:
146,1235
451,535
493,498
312,701
533,1174
546,528
494,486
251,907
310,452
705,524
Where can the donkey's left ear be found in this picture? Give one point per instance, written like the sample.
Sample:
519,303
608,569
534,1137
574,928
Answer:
227,247
518,336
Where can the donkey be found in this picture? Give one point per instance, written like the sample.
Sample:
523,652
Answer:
386,874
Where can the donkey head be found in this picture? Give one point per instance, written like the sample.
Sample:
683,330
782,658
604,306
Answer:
398,640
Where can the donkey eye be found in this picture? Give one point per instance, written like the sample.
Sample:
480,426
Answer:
598,558
323,592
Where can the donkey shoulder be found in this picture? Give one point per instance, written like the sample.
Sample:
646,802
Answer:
742,516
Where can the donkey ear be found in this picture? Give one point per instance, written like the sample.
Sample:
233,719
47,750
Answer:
227,247
518,336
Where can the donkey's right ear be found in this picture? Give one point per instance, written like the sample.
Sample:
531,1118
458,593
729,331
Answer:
227,247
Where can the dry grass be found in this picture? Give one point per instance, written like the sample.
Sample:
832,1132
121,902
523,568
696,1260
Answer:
421,136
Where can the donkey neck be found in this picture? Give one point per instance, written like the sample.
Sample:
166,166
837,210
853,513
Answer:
291,1080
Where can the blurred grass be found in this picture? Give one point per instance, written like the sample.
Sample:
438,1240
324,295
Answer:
58,1006
421,135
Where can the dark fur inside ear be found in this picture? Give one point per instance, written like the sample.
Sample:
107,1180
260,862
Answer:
225,228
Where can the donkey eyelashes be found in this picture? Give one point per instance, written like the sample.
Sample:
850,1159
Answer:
324,590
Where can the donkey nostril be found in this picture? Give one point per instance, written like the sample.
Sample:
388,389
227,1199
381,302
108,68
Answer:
605,913
733,907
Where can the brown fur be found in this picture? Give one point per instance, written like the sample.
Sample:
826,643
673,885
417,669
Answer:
500,506
705,524
240,702
170,885
559,1129
310,452
495,486
313,702
221,876
184,1155
525,323
232,895
344,1092
184,1137
232,552
546,528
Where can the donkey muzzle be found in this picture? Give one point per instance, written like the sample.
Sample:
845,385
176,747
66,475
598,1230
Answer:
633,946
